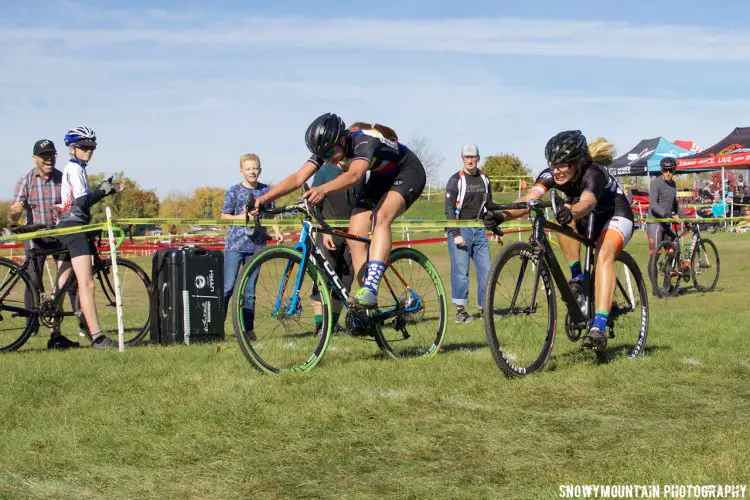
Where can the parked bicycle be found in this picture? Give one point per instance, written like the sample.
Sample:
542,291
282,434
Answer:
670,267
24,307
520,293
410,319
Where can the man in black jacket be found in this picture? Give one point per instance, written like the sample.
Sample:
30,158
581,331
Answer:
466,194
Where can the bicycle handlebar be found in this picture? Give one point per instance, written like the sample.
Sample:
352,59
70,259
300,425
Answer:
30,228
523,205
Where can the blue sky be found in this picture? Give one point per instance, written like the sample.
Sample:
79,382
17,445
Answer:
177,93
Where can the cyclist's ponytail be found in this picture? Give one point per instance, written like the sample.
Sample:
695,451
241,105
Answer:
602,151
387,132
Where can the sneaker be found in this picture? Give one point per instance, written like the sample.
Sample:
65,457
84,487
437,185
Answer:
59,341
364,298
595,339
576,286
104,342
462,316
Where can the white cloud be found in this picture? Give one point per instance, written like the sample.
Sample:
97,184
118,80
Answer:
478,36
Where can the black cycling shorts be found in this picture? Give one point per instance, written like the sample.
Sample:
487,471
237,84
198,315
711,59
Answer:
78,244
409,182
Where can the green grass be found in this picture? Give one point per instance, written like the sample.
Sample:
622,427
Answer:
199,422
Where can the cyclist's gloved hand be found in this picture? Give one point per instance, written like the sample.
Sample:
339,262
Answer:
564,216
108,187
492,222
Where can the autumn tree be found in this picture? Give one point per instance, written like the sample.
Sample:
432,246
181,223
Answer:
130,202
504,171
206,202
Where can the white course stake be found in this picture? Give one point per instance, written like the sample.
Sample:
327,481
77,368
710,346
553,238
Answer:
118,297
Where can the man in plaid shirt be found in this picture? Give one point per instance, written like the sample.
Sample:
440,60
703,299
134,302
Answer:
35,194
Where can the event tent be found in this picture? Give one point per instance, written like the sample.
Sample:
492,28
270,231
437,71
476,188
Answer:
645,157
731,152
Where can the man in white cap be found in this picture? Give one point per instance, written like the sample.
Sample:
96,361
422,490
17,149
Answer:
466,194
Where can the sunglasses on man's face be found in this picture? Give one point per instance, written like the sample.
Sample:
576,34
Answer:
668,170
87,148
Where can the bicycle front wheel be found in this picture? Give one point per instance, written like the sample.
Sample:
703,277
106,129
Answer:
664,270
520,311
135,293
18,306
705,266
273,312
627,324
412,294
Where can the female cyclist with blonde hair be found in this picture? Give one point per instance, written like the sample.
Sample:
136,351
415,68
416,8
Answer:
396,181
578,169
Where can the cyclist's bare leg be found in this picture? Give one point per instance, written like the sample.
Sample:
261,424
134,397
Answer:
82,269
359,224
608,248
571,248
391,206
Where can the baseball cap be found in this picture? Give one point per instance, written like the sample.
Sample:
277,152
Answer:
44,146
470,150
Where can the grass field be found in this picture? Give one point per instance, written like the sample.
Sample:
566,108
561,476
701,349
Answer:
199,422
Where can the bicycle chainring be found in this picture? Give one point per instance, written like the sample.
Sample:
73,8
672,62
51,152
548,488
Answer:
49,311
574,333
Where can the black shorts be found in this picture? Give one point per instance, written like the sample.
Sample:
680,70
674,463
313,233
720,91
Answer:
409,182
78,244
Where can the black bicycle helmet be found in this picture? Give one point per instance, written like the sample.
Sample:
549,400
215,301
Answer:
323,133
566,147
668,163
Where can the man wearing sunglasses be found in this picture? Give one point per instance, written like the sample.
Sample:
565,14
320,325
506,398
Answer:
662,204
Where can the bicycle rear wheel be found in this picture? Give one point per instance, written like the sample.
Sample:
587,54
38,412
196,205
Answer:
664,270
520,333
135,292
705,266
627,325
16,324
412,287
274,321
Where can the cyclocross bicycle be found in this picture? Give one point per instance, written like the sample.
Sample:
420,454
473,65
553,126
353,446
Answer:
520,293
668,267
410,319
24,307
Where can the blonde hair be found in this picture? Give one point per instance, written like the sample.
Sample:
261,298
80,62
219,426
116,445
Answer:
249,157
387,132
602,151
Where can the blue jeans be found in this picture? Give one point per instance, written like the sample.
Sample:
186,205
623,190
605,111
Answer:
477,249
233,261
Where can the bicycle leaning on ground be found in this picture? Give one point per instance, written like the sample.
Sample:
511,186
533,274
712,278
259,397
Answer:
24,307
410,319
520,293
669,266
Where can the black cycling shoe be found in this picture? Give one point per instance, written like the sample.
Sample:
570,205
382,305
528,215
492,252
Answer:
59,341
576,286
595,339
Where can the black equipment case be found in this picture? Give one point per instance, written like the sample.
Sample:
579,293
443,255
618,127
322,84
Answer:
187,303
